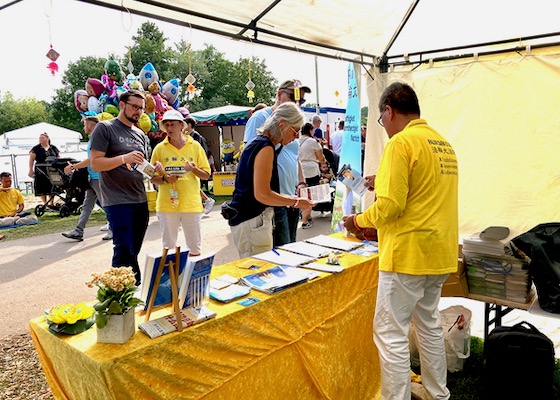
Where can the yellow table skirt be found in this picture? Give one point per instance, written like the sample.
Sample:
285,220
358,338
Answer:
312,341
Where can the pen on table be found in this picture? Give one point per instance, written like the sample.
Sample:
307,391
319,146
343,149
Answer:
275,251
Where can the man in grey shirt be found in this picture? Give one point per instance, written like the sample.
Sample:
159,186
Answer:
117,146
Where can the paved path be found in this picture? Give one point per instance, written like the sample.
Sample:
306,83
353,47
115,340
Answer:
42,271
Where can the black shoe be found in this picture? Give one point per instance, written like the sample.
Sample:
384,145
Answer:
73,235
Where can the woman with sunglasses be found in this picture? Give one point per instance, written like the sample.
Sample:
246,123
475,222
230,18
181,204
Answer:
257,186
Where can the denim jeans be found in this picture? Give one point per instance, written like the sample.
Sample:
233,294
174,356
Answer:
129,223
285,225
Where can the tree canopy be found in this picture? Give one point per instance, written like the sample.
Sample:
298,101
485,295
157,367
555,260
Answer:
16,114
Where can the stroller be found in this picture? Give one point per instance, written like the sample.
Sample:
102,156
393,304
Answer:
70,189
332,160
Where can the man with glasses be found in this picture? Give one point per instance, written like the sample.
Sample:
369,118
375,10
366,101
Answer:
289,168
117,146
416,215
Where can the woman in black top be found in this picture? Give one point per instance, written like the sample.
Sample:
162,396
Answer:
38,155
257,185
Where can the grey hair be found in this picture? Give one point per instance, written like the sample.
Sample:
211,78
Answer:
288,112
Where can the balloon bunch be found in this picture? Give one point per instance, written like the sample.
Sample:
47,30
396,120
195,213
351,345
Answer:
100,96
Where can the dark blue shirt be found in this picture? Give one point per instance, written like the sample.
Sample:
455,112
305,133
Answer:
244,193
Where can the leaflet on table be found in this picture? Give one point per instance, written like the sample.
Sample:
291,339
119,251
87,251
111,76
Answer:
323,267
147,169
352,179
223,281
307,249
284,257
276,279
193,290
369,248
164,325
334,243
229,293
163,293
317,193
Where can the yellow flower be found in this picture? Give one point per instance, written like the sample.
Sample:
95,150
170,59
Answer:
69,313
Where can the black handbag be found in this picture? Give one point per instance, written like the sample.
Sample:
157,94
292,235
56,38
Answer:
228,212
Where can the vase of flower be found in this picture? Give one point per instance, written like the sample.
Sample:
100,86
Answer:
115,317
119,328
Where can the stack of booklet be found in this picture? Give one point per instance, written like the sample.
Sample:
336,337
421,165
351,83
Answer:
277,278
164,325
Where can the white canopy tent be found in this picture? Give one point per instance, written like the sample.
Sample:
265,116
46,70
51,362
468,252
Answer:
486,72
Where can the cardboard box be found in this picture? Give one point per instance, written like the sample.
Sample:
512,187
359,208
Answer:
456,284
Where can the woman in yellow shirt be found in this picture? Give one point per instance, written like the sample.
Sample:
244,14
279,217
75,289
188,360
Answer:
178,202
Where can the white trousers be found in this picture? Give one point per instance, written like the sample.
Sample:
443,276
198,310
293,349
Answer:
254,236
169,223
403,298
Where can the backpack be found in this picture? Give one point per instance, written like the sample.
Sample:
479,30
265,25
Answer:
542,245
518,364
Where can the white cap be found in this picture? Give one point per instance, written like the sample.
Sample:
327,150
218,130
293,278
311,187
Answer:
172,115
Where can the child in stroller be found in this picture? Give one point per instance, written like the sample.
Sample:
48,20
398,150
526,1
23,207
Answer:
68,191
327,176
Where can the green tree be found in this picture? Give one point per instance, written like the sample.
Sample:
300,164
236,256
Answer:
149,46
16,114
363,116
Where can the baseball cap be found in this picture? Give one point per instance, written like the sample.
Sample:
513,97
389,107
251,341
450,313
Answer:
172,115
317,118
290,84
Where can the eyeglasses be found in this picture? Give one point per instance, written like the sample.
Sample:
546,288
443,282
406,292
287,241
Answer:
379,119
135,107
296,133
293,98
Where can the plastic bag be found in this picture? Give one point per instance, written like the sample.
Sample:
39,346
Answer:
456,323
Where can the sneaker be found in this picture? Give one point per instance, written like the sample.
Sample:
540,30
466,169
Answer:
108,236
307,225
104,227
73,235
209,205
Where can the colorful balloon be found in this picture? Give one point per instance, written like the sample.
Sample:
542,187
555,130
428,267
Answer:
148,75
170,90
94,87
81,100
145,123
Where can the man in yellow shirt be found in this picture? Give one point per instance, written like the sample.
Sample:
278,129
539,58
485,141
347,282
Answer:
416,216
11,200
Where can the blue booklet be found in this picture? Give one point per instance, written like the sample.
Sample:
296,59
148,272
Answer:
275,279
163,293
194,285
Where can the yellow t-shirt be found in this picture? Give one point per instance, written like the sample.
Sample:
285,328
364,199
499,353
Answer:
188,185
416,211
9,201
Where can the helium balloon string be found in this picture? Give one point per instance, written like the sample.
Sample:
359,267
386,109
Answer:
123,22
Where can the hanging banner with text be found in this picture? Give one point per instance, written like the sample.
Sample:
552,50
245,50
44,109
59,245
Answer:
346,201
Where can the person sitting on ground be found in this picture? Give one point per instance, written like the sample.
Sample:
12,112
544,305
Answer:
12,204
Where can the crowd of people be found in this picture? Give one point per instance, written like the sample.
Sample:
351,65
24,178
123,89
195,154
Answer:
414,215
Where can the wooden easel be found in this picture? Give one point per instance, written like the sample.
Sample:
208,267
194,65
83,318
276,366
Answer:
173,268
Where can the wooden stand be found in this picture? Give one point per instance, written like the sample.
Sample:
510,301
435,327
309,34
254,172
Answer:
173,268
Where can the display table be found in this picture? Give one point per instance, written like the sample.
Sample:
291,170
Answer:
312,341
224,183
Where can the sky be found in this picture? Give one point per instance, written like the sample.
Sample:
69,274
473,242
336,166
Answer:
76,29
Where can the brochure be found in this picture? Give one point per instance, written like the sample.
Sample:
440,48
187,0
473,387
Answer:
175,170
352,179
229,293
307,249
276,279
334,243
193,289
284,257
147,169
163,293
164,325
317,193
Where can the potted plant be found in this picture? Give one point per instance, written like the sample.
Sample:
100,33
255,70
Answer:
115,316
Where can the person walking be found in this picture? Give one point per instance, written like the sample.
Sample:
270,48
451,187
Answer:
311,156
178,203
289,168
38,155
93,192
117,146
257,184
416,217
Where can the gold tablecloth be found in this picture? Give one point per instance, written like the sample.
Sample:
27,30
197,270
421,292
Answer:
312,341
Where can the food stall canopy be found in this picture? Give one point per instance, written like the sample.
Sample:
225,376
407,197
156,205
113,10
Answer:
226,115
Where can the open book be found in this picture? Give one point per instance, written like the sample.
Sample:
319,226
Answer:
277,279
352,179
164,325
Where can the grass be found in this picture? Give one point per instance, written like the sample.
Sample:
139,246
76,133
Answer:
51,222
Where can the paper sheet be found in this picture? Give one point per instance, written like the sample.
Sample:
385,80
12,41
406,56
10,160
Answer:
334,243
282,257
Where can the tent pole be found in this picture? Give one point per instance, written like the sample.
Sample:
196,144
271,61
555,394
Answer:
317,107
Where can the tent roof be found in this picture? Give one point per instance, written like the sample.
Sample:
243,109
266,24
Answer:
31,134
367,29
226,115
